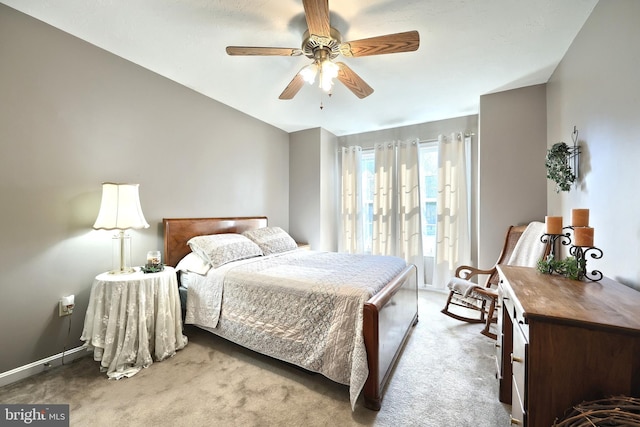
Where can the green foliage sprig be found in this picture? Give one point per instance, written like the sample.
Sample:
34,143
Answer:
557,164
549,265
570,267
150,268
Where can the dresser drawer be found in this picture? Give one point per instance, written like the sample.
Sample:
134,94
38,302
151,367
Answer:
506,302
517,417
519,369
516,314
500,334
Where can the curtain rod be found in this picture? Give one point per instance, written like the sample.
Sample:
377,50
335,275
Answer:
459,135
426,141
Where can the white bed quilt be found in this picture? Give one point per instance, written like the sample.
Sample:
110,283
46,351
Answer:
303,307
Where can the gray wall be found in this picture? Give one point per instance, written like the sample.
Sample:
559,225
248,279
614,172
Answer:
596,88
512,188
329,191
73,116
304,186
314,188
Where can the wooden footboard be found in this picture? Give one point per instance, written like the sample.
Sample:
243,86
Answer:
388,318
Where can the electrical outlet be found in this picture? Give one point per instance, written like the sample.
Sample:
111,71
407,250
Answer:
65,306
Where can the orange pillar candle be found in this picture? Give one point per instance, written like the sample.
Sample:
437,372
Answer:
583,236
580,217
554,224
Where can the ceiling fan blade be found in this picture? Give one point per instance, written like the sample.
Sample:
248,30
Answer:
317,15
263,51
352,81
292,88
390,43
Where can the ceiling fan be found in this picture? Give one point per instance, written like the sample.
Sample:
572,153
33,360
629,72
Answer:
323,43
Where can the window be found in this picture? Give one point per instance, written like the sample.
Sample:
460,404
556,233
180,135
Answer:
429,193
368,182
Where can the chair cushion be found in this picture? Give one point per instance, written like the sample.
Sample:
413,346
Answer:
462,286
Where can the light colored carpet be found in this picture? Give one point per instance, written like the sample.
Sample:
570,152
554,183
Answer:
445,377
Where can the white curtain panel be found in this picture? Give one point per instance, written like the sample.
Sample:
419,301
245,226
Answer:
352,225
397,221
385,217
453,240
409,215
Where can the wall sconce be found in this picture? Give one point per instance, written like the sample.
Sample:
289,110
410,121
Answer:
120,210
574,155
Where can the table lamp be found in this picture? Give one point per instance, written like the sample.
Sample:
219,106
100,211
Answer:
120,210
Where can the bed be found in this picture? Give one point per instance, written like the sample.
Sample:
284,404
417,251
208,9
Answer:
386,317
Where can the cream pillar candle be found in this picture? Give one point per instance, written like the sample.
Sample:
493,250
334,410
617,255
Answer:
554,224
583,236
153,258
580,217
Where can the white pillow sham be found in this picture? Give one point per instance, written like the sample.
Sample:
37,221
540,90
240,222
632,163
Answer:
193,263
271,240
219,249
186,277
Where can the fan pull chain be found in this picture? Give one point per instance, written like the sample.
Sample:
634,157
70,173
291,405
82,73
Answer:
328,94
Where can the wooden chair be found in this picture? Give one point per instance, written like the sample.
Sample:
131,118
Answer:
482,298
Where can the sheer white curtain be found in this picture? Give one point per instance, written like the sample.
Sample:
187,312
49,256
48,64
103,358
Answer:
453,239
385,216
351,236
409,215
397,222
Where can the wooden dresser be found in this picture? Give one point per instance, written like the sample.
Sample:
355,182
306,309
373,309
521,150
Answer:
562,342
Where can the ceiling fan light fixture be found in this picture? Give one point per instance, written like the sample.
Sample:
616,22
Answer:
309,72
326,84
328,71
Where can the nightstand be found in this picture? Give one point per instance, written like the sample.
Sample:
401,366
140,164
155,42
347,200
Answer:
132,320
304,246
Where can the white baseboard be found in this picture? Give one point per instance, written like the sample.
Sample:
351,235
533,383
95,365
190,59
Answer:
41,365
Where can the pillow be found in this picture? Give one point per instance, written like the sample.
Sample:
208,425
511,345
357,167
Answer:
194,264
272,240
186,277
219,249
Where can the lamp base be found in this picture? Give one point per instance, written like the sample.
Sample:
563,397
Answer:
121,261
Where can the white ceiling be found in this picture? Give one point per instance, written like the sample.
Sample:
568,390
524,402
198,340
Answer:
467,48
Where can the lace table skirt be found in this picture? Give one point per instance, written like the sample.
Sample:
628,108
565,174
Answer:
133,320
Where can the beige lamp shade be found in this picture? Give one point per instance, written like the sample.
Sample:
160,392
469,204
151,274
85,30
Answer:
120,208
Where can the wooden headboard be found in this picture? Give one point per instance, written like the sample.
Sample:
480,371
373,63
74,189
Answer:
178,231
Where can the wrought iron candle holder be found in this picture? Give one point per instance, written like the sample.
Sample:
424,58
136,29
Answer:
551,239
580,254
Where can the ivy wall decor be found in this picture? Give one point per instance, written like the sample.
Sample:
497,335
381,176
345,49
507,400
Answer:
562,163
